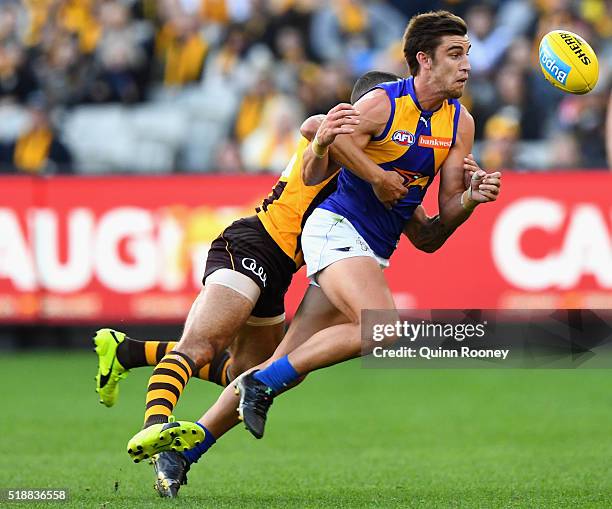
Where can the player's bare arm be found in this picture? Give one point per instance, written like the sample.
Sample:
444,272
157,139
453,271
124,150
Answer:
316,164
428,233
347,150
455,202
374,111
309,127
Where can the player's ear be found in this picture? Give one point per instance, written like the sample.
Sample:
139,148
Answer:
424,60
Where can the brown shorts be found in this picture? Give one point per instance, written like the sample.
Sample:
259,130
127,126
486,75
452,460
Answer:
245,246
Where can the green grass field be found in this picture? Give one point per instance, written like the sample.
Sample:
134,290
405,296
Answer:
348,437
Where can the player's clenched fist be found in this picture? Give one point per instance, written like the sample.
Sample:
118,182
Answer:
484,187
390,188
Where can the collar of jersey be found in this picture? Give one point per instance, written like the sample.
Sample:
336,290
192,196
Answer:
412,92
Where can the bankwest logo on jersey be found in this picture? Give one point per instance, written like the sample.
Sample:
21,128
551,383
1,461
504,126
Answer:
403,138
434,142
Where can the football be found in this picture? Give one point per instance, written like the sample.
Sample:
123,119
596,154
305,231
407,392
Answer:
568,62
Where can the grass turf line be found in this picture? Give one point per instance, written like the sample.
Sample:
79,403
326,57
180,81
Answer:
348,437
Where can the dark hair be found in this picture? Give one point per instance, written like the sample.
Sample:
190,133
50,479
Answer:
368,81
424,32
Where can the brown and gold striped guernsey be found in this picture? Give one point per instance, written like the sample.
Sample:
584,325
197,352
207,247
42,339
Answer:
284,212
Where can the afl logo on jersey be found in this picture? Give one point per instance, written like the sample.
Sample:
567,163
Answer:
403,138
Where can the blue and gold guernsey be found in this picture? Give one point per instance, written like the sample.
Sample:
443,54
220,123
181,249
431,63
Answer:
414,143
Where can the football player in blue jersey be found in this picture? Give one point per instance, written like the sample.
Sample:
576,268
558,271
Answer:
414,127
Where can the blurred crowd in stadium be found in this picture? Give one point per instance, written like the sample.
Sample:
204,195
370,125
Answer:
157,86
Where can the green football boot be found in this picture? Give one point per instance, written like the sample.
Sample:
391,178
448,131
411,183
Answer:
168,436
110,371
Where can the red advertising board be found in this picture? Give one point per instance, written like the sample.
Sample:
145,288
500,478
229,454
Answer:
133,249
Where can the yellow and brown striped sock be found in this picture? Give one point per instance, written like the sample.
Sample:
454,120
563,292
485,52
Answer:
166,385
132,353
218,370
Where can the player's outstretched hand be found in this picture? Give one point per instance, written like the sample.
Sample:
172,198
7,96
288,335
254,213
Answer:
390,188
339,120
485,186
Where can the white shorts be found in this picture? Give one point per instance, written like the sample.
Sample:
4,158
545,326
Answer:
328,237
